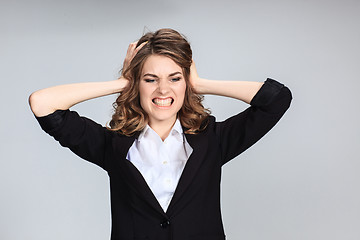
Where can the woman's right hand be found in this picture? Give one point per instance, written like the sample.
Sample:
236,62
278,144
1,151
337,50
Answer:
131,52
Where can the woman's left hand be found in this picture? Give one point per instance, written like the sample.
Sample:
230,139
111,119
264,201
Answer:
194,78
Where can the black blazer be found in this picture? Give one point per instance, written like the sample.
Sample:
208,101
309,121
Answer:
194,212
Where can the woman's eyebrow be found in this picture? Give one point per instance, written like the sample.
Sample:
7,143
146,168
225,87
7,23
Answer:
175,73
155,76
150,75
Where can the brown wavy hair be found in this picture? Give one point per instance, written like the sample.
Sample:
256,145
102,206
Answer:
129,117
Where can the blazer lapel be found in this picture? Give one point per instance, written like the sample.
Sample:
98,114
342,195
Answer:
199,145
131,174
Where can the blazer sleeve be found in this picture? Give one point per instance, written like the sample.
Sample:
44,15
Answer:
241,131
81,135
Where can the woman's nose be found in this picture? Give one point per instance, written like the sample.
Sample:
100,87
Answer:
163,87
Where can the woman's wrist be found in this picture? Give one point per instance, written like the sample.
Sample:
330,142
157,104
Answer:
201,86
118,85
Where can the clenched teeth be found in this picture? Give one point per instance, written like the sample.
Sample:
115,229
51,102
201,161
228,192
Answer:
163,102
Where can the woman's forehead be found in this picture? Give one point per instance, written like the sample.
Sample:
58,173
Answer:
160,65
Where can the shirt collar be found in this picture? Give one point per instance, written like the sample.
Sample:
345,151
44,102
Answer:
177,127
142,133
176,131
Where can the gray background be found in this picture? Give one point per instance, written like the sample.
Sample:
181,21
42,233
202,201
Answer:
301,181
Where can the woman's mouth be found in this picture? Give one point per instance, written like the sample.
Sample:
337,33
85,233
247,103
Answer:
163,102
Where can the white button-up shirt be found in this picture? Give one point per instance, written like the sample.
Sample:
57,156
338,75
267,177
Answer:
161,162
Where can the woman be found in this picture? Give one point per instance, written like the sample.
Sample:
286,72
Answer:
163,152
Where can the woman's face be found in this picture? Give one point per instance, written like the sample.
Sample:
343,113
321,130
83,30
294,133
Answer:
162,89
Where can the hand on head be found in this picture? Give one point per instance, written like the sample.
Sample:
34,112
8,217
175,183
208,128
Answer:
194,77
131,52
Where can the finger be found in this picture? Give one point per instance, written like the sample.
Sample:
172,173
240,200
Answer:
130,52
131,48
193,66
140,47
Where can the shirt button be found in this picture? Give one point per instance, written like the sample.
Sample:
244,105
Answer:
165,224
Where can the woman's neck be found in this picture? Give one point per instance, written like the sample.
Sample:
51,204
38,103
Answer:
162,128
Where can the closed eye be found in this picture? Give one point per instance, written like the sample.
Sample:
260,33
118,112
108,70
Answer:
148,80
175,79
